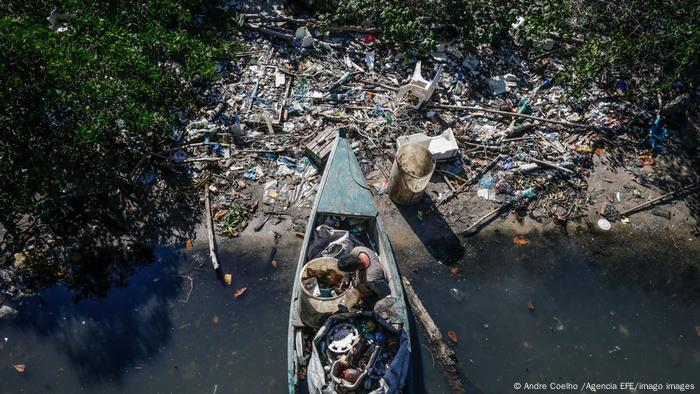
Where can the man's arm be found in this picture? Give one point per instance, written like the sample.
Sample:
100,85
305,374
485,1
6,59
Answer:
380,286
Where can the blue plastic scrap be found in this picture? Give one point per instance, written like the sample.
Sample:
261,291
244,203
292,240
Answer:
251,174
508,163
303,164
528,193
147,177
178,156
488,182
219,150
657,136
378,109
288,161
622,87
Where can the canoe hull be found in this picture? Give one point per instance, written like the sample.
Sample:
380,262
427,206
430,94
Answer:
344,192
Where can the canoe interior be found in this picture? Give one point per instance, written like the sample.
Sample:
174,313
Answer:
342,196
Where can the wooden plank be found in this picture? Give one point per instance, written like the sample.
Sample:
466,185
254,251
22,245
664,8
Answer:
321,145
320,138
326,150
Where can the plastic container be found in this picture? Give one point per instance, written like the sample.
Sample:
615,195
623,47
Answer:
315,309
442,147
410,174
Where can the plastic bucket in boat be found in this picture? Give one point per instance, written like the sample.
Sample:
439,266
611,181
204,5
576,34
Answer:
410,174
314,310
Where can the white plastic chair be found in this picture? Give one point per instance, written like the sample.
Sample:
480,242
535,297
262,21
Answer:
419,87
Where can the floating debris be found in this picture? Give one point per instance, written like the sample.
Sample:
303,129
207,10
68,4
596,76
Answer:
623,330
457,294
520,240
559,326
453,336
530,305
614,350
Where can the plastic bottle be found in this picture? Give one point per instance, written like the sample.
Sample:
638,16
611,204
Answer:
457,294
527,167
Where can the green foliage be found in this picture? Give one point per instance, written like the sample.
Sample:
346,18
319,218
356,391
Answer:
80,106
413,25
404,25
655,43
234,220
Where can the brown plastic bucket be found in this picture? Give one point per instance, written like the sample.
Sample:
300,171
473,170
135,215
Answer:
410,174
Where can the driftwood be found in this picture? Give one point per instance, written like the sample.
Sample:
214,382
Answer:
505,113
315,23
271,32
657,199
440,350
482,219
210,232
283,35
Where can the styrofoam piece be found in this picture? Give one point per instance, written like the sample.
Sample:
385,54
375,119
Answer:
304,36
442,147
502,83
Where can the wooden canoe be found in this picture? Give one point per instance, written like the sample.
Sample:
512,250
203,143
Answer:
343,192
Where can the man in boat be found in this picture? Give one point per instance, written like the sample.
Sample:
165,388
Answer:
371,280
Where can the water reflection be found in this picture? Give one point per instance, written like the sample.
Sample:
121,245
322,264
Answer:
596,317
103,338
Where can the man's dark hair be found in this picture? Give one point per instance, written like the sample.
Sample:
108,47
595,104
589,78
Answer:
349,263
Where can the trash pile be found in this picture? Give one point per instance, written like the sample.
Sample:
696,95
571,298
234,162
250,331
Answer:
356,351
502,129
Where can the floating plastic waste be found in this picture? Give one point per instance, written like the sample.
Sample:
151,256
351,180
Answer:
558,326
457,294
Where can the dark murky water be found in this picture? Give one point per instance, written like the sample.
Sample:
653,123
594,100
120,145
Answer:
595,319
